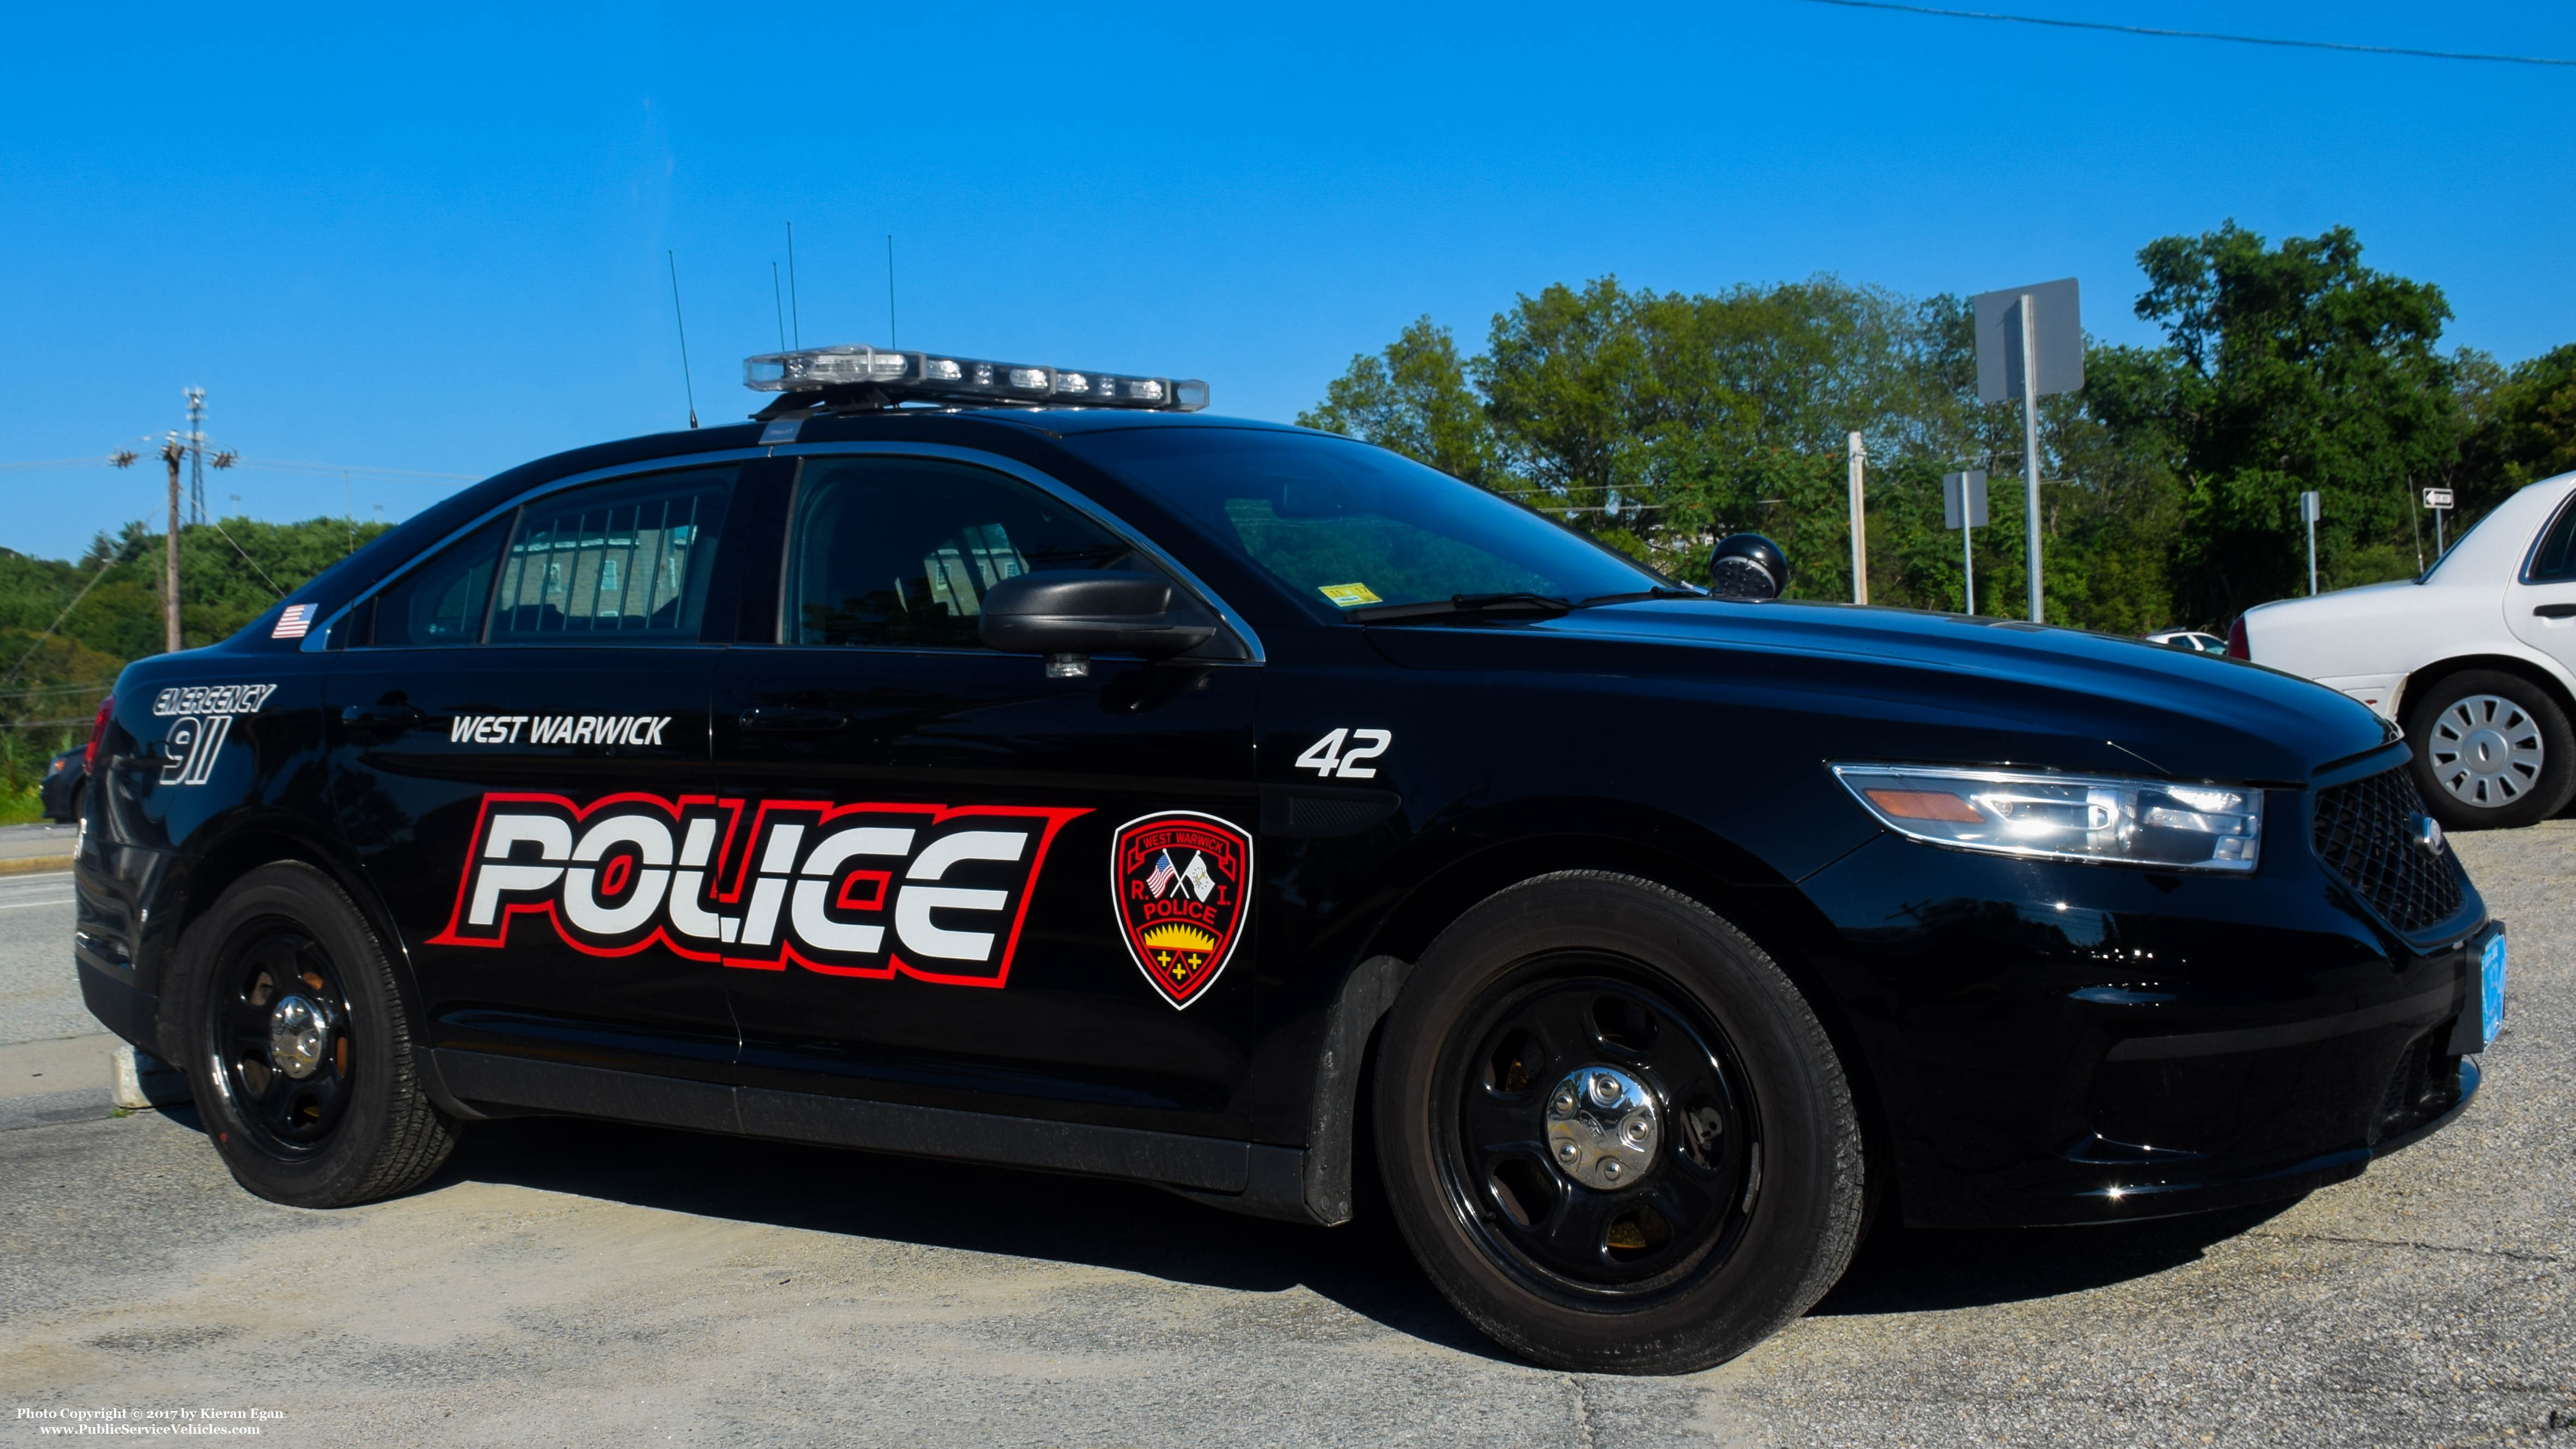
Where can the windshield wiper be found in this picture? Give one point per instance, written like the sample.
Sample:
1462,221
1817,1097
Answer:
1546,606
1659,591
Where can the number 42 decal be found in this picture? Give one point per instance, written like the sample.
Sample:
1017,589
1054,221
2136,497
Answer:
1326,756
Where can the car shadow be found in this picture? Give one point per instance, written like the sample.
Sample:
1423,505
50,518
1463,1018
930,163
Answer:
1919,1270
1363,1266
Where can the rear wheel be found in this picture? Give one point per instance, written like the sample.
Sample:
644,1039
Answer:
2491,750
303,1059
1613,1131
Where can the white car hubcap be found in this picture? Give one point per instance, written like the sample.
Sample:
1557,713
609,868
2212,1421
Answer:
2485,750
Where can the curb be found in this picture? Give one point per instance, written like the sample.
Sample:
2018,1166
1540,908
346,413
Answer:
30,864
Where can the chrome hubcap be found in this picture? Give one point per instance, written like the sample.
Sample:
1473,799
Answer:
2485,750
299,1037
1602,1128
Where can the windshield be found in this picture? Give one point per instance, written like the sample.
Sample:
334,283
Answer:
1342,525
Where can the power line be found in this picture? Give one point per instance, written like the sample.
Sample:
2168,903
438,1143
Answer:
55,463
275,465
254,563
59,689
270,465
2194,34
103,571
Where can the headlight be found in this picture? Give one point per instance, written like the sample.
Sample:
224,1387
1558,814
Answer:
2066,817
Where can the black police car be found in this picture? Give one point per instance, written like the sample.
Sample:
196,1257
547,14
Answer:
1012,764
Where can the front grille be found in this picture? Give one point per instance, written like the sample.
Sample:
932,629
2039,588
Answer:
2365,834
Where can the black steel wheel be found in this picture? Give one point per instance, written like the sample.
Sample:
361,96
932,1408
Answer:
282,1038
303,1062
1604,1144
1612,1129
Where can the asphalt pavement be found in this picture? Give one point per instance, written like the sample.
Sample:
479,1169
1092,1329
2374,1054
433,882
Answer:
571,1283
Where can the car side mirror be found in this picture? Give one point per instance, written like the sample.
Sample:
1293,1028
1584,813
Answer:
1071,614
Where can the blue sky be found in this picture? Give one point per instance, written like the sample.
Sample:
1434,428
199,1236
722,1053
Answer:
432,238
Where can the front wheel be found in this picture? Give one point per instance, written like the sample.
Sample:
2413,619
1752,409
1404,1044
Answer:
1613,1131
303,1061
2491,750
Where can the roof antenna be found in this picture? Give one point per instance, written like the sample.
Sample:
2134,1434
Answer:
779,305
683,322
891,344
791,285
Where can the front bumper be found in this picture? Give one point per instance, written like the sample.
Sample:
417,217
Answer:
2054,1044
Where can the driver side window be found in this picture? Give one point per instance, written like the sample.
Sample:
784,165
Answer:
901,551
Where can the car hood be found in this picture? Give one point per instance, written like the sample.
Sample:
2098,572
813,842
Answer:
1896,684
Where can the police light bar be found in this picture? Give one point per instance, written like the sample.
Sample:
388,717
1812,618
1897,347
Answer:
928,375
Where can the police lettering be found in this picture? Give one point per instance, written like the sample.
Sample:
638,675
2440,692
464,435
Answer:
871,890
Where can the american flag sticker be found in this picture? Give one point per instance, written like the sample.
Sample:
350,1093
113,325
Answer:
1161,880
295,623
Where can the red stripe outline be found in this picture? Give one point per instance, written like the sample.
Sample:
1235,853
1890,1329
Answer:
741,867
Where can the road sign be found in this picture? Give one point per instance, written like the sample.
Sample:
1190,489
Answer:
1963,507
2030,343
2437,497
2057,336
1963,499
2310,510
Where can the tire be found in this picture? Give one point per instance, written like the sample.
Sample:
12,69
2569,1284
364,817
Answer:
2492,750
1748,1206
355,1126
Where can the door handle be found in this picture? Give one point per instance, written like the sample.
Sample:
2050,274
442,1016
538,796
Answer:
382,719
784,719
2555,611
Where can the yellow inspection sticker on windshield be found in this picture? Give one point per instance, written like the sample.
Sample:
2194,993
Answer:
1349,596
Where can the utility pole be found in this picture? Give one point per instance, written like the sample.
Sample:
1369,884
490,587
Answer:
171,452
1859,522
175,446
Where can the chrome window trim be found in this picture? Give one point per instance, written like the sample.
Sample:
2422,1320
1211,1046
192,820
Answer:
1059,491
317,640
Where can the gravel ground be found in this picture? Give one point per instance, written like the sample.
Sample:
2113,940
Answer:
582,1284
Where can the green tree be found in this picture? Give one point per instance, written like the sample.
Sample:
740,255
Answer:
1412,398
2523,427
1661,421
2289,369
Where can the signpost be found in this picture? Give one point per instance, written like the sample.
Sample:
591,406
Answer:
2309,510
2030,343
1859,524
1963,507
2439,500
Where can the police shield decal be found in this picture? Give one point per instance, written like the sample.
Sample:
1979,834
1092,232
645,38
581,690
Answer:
1182,883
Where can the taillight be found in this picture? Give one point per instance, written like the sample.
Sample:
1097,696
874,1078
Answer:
97,732
2236,646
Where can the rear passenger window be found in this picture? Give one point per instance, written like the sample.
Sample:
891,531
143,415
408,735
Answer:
624,562
2555,560
442,601
900,551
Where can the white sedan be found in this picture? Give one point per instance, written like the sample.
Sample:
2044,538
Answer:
2476,659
